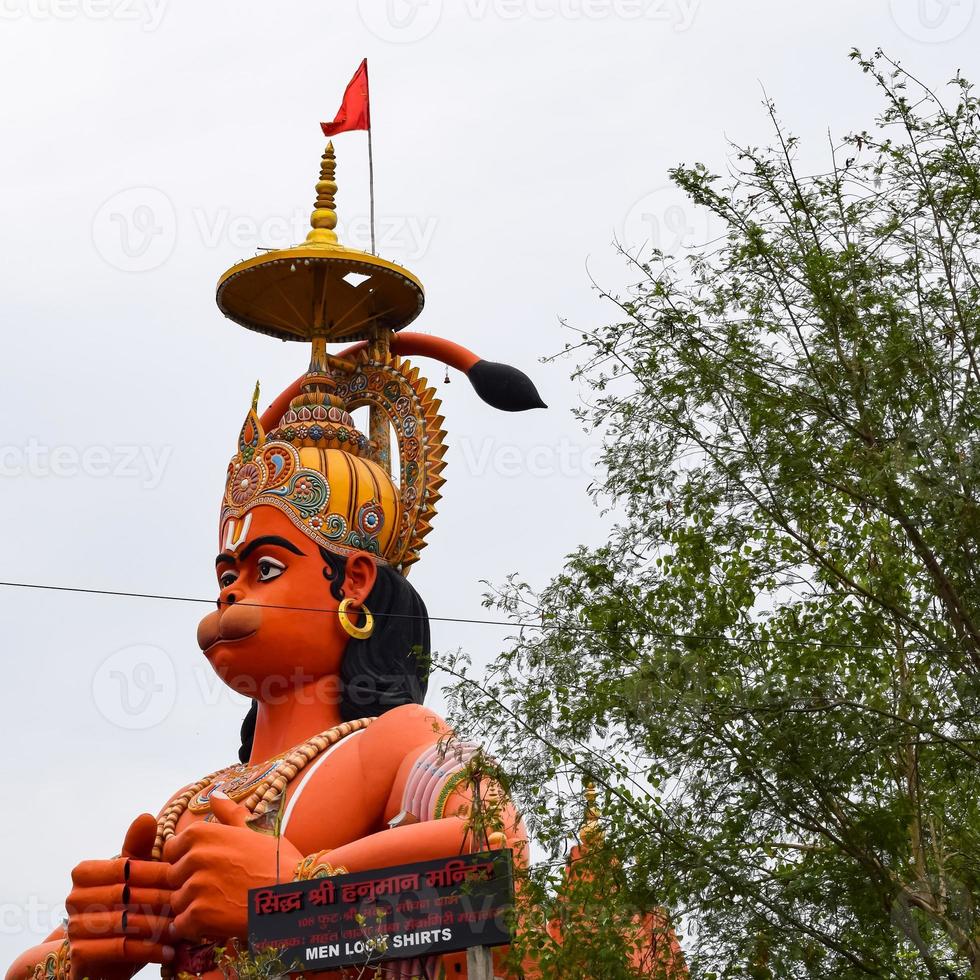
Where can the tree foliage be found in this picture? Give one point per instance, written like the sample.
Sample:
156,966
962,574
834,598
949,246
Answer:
771,670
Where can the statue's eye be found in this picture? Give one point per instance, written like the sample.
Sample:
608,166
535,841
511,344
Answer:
269,568
227,578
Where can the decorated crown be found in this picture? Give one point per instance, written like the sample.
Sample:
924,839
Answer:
330,480
305,455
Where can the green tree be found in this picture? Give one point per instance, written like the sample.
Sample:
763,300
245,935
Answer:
771,670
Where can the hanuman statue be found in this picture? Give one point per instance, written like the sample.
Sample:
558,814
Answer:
318,624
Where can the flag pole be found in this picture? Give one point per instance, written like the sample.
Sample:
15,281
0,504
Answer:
374,251
367,86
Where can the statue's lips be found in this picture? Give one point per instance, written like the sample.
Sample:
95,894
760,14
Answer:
228,625
222,640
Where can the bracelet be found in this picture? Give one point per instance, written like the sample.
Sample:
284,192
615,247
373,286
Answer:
317,866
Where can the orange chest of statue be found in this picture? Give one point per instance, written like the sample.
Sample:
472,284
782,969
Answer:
325,771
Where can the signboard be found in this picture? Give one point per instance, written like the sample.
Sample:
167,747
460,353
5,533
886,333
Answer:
404,912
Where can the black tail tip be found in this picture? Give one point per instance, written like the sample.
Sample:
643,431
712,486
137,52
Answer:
504,387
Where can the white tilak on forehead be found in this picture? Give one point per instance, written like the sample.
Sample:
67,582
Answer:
232,543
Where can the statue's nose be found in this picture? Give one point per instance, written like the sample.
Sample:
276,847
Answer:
230,595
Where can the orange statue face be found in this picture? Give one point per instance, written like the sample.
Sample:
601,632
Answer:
276,627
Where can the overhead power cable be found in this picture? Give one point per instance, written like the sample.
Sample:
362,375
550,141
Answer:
505,623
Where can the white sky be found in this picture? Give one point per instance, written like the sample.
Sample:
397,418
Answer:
149,144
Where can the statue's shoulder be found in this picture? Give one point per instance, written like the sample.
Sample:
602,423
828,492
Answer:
400,734
406,728
369,762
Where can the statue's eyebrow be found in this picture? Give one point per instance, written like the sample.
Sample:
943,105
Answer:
267,540
226,558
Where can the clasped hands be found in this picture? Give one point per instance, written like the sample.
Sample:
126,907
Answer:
130,911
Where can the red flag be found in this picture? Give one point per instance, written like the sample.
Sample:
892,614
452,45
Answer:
355,110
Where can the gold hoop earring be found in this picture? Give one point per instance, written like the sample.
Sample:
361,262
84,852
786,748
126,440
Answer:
357,632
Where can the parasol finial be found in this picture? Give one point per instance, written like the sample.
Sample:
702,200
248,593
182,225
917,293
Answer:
324,217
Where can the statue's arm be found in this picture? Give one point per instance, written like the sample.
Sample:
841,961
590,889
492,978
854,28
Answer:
398,845
442,802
